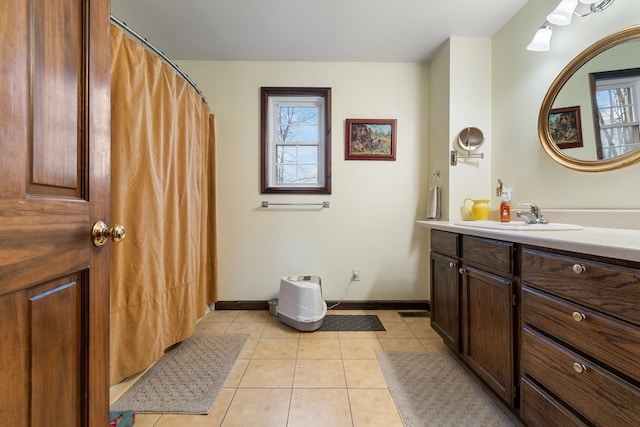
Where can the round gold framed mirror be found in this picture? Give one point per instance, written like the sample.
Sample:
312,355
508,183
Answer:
579,130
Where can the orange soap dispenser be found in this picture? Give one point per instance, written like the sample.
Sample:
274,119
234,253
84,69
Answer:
505,208
505,203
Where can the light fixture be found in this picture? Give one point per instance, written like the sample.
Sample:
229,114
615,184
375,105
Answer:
542,40
596,6
562,15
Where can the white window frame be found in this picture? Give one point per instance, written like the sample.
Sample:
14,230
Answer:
272,98
609,81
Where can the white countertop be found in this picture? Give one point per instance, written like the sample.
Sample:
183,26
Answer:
607,242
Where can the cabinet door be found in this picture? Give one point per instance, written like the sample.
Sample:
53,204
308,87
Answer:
487,328
445,299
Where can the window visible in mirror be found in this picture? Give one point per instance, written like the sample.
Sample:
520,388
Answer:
615,109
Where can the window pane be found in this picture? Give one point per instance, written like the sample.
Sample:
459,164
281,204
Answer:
292,174
287,134
308,134
307,174
286,174
286,154
615,106
617,141
308,154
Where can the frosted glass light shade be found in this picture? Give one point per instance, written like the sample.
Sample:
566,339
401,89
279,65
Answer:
590,1
563,13
541,40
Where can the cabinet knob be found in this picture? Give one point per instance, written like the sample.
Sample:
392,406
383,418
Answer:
577,316
461,270
451,265
579,367
577,268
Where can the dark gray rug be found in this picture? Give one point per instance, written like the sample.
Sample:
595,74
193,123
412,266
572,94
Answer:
432,389
187,379
351,322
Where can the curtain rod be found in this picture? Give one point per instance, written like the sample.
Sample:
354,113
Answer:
147,44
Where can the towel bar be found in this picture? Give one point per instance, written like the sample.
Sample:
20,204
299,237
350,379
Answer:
266,204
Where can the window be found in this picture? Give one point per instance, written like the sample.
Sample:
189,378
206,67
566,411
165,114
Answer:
296,140
616,115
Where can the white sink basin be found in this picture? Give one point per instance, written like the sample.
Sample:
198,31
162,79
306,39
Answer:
519,226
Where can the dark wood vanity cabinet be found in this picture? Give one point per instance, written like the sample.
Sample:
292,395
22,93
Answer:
580,344
555,334
488,312
472,307
445,287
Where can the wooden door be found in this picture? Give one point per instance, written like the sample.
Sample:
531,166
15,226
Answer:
54,185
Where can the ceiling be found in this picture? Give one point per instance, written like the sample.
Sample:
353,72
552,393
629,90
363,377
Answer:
310,30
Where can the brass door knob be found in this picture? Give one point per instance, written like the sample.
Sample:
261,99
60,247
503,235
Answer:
101,233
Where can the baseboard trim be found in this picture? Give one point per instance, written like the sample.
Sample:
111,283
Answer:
344,305
242,305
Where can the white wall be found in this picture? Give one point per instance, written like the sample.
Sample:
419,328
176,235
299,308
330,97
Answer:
370,224
439,116
520,81
470,100
460,97
374,204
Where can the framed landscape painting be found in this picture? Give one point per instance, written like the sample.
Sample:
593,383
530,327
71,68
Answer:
370,139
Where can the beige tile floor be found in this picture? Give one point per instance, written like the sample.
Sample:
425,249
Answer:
283,377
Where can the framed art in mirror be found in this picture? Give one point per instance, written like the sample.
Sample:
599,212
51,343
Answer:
565,128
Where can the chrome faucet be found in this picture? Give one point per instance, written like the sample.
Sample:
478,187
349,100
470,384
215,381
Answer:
532,217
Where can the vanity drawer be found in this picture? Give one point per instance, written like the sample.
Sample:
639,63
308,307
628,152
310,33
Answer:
595,393
538,409
495,255
444,242
615,343
608,288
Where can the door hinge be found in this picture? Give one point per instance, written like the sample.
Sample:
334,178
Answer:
515,299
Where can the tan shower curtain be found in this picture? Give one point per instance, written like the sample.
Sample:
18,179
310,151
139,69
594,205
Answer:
162,190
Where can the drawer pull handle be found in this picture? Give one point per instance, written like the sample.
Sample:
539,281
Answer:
579,367
577,268
577,316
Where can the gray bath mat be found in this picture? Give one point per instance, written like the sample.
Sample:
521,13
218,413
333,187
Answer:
351,322
432,389
187,379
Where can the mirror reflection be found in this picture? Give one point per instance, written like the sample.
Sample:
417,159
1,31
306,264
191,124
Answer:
595,115
590,117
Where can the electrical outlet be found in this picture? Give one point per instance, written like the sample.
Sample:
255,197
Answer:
355,274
